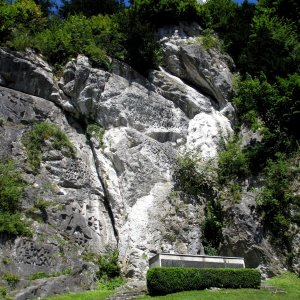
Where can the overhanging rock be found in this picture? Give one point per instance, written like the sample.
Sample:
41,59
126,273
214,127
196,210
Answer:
196,261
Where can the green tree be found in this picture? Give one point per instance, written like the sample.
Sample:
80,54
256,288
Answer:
142,50
273,46
162,12
288,9
89,7
96,37
22,16
46,6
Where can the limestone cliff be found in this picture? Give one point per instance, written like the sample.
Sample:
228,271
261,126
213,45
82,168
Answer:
115,192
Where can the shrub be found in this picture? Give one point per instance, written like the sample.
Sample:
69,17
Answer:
35,139
11,187
209,40
271,36
212,227
89,7
13,225
108,264
194,176
232,163
42,204
162,281
142,50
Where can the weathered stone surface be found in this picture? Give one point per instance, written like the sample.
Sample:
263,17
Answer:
207,70
244,236
81,279
29,73
75,219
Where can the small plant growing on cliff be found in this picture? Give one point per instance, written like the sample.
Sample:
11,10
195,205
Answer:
209,40
97,132
12,279
35,139
107,263
11,186
11,189
194,176
4,294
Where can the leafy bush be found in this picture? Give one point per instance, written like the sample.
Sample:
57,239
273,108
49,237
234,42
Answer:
3,293
273,109
162,281
111,283
42,204
35,139
142,50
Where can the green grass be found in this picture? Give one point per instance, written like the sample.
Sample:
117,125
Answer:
91,295
288,282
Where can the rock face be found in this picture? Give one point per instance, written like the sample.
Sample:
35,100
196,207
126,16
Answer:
117,191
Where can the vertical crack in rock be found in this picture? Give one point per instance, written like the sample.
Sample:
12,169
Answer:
106,201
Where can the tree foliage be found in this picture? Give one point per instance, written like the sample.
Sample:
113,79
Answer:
273,45
89,7
162,12
21,16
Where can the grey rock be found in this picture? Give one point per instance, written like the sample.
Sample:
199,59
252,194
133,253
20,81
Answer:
29,73
81,279
185,58
244,237
76,219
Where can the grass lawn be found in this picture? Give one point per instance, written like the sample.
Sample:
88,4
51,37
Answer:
288,282
91,295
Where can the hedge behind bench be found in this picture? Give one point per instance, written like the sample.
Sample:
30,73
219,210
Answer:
162,281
